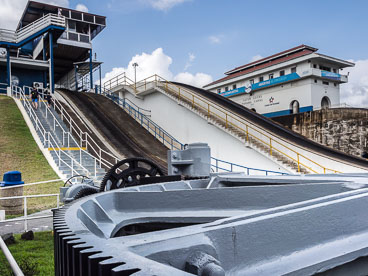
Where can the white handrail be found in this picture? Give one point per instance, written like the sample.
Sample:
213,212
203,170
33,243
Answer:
13,264
73,126
32,28
48,137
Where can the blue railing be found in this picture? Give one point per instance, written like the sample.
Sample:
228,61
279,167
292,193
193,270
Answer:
3,88
144,120
168,140
225,166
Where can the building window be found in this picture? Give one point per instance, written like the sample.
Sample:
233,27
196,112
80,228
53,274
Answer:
72,26
325,82
270,76
282,73
219,90
314,65
315,81
293,70
334,70
226,88
251,81
325,68
260,79
234,86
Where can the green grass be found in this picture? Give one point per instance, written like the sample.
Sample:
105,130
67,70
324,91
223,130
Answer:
19,151
39,251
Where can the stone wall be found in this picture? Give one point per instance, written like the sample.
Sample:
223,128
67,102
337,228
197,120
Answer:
344,129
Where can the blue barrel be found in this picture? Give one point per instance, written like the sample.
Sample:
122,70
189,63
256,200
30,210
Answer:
11,178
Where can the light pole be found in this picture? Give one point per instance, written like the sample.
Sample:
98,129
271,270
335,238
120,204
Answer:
135,74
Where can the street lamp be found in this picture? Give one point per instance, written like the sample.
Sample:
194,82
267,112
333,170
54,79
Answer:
135,74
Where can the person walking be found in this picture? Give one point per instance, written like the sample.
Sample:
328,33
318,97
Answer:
34,97
48,98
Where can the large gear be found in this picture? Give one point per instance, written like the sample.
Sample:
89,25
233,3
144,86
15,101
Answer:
128,172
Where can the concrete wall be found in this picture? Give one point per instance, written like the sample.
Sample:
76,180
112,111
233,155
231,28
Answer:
345,129
188,127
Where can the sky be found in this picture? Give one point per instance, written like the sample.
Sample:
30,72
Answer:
196,41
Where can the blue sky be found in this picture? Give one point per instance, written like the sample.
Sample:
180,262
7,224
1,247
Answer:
243,28
196,41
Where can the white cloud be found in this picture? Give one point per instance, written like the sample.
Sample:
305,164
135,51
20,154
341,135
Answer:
81,7
199,79
355,92
157,63
255,58
11,11
163,5
215,39
189,63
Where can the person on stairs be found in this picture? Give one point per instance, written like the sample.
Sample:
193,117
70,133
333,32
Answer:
34,96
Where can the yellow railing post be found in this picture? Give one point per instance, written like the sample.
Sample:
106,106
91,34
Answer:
179,93
193,102
208,111
298,162
226,120
247,133
324,170
270,146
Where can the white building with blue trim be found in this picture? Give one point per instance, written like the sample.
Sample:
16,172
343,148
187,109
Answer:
292,81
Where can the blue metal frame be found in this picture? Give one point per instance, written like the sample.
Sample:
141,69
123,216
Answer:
90,69
52,79
8,78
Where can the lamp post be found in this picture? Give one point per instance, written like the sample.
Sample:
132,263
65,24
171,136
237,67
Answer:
135,74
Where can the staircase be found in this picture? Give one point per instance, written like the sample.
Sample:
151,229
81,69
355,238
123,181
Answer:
284,152
256,143
66,152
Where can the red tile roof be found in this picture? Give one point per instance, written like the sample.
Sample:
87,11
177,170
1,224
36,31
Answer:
303,52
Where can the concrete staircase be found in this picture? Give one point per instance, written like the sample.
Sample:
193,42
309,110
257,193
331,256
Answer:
65,150
236,132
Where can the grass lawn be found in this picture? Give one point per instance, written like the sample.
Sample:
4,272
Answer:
19,151
39,252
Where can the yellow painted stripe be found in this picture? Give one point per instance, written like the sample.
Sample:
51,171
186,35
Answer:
71,148
31,100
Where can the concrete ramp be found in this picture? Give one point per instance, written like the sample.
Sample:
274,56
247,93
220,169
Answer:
268,143
121,131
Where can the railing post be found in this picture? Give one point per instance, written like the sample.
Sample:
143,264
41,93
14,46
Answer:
25,214
270,146
208,110
298,162
226,121
217,165
193,102
58,201
247,133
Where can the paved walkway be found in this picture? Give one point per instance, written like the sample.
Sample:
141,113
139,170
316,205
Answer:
36,225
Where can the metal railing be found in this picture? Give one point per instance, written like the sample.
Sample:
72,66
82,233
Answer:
3,88
25,218
160,134
82,140
219,165
229,120
50,141
173,143
32,28
13,264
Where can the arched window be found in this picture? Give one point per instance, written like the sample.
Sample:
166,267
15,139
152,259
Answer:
294,107
325,103
253,109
